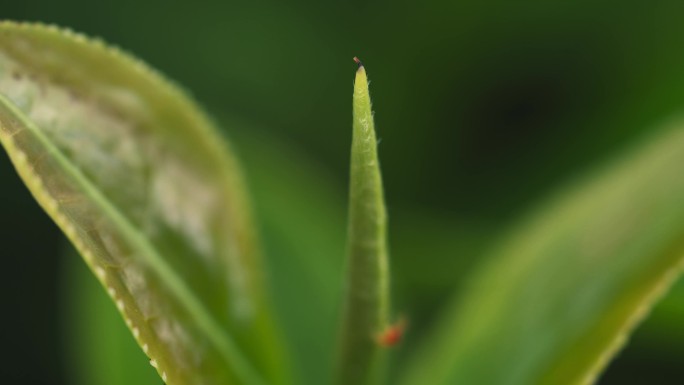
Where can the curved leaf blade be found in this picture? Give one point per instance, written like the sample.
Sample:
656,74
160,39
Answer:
561,295
139,181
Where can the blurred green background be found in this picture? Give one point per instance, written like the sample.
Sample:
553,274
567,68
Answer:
483,109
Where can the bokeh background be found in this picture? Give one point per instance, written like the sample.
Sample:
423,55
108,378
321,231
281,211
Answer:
483,110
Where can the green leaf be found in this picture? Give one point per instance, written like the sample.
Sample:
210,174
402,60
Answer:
137,178
663,327
366,307
561,295
100,348
301,209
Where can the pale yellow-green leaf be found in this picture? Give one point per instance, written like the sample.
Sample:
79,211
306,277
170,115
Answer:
138,179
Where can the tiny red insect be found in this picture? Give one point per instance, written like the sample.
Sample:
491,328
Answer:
392,334
358,61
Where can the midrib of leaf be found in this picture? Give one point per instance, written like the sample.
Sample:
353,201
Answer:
205,321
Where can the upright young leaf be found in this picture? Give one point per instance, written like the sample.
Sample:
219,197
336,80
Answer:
138,179
367,292
562,294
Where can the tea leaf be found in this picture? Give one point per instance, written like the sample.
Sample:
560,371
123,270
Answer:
101,349
562,294
366,308
137,178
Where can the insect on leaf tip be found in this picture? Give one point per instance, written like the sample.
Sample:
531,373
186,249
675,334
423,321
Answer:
358,61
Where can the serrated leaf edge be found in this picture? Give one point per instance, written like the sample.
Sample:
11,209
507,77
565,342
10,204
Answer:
621,336
221,341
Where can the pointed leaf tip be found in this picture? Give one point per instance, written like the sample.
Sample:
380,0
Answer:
367,300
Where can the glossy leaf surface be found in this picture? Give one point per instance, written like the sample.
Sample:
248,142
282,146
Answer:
302,217
137,178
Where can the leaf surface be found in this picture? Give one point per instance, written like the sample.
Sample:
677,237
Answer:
138,179
560,296
301,209
366,296
100,348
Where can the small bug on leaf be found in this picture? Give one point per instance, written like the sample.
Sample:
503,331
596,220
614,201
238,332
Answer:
392,334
